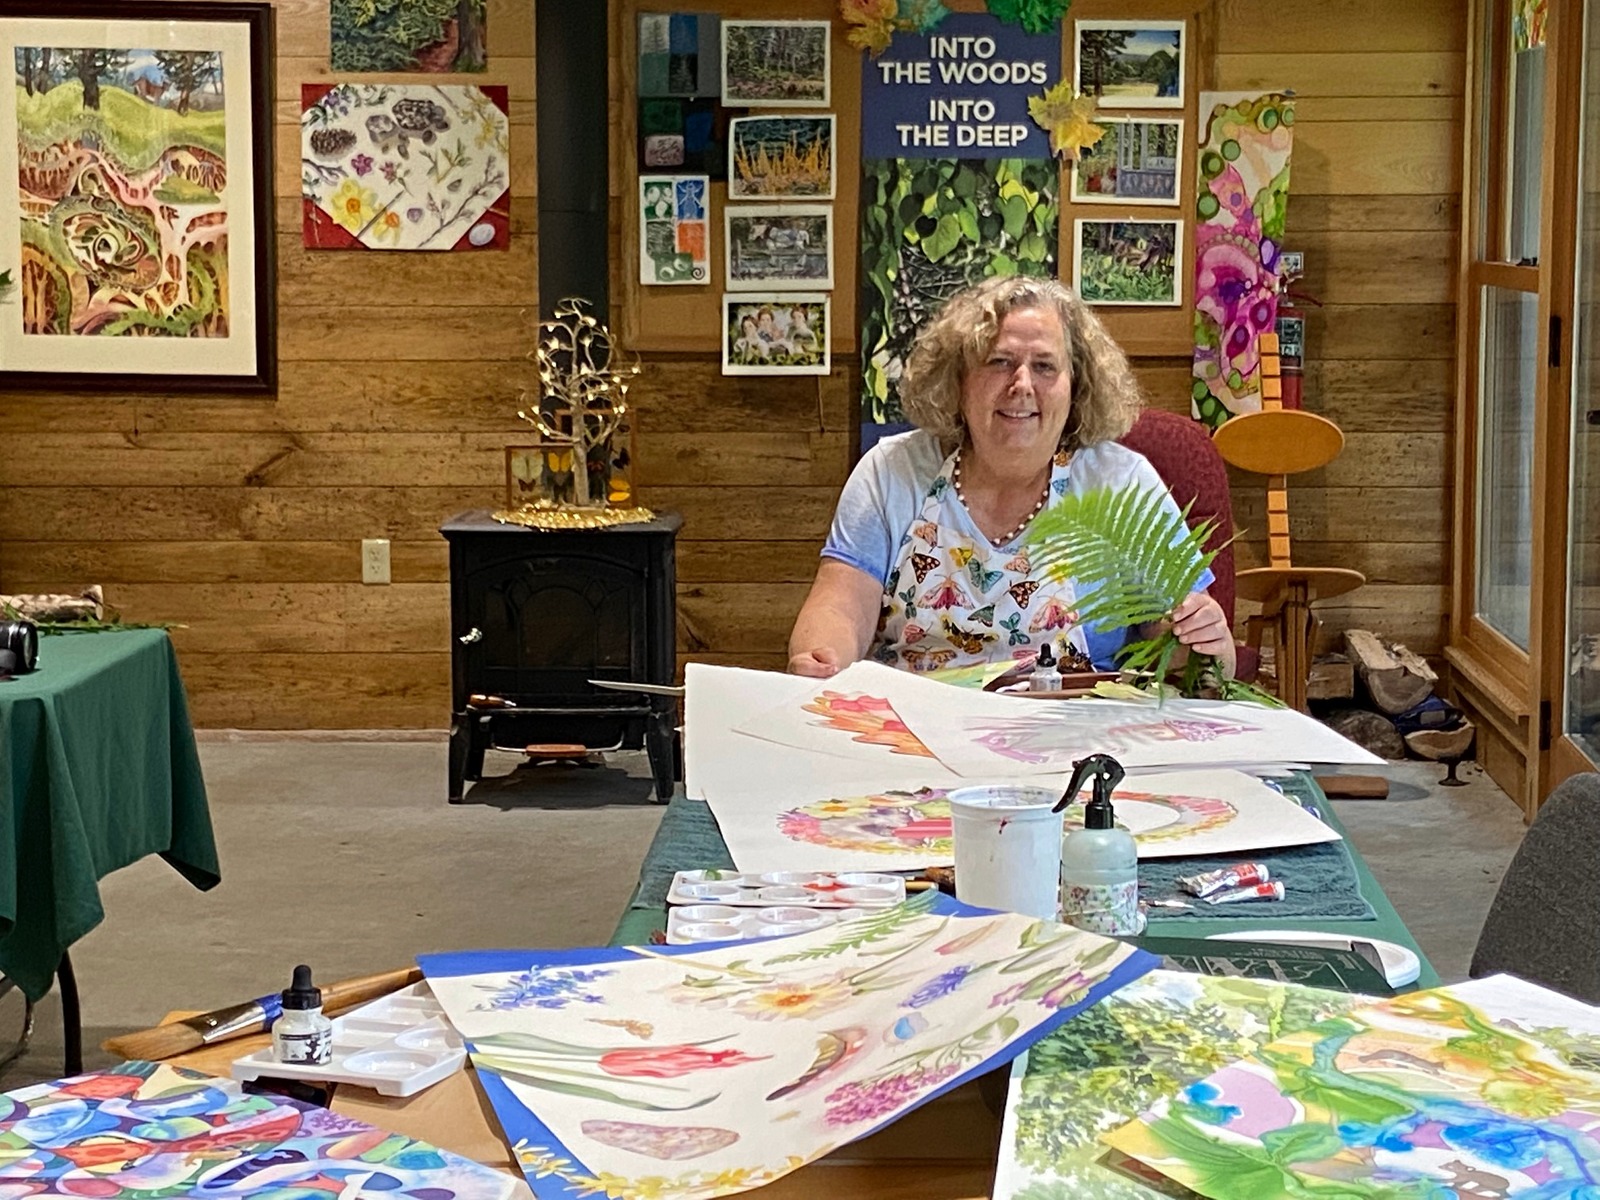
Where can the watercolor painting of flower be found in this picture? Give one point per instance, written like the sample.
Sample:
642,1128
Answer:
761,1056
547,989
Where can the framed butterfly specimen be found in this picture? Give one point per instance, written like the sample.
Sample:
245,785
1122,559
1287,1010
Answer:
544,470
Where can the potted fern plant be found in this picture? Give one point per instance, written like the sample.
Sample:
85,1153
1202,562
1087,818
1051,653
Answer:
1146,559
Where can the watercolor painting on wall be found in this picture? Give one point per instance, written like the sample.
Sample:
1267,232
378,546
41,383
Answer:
782,158
775,334
427,36
1487,1088
1137,161
405,167
773,246
149,1131
139,242
1131,64
1140,1046
775,64
1240,210
1128,262
680,1073
674,235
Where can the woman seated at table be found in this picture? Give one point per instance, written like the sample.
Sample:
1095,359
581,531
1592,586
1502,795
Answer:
1018,395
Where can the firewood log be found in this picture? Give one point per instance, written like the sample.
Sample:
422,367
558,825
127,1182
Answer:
1396,679
35,607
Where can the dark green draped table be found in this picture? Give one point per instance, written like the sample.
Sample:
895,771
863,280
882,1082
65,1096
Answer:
97,770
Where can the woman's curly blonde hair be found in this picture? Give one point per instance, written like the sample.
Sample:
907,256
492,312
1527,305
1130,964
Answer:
1105,396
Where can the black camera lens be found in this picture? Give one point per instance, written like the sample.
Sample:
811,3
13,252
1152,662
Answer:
20,641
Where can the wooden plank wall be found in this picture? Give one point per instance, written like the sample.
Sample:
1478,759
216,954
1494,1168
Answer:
243,518
1373,204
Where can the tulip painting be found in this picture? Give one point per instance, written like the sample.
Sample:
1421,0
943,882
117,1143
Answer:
1243,190
759,1056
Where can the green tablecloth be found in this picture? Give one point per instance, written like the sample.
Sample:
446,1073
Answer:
97,769
688,838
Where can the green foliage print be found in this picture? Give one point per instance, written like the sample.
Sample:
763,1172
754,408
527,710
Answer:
931,227
1113,1061
407,35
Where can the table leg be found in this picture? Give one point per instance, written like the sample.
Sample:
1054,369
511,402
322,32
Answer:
1296,647
71,1016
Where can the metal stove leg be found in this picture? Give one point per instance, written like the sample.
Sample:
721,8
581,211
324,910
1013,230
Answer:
71,1016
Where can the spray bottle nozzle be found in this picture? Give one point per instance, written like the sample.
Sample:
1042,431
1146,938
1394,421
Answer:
1107,773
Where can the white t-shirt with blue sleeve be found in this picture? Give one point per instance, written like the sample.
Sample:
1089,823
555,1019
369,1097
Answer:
885,494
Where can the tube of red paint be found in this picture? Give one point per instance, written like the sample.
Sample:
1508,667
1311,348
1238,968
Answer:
1257,891
1239,875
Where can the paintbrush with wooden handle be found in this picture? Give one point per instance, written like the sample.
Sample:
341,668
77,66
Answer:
255,1016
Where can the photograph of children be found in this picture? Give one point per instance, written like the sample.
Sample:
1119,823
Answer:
1131,64
778,245
1128,262
775,64
779,158
775,334
674,241
1137,161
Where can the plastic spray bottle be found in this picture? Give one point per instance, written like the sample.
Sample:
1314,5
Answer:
302,1034
1099,863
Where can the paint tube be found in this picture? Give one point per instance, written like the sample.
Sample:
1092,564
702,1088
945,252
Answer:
1258,891
1241,875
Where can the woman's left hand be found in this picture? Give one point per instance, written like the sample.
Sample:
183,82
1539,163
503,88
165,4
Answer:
1200,625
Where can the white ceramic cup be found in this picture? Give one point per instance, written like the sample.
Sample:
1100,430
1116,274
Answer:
1008,848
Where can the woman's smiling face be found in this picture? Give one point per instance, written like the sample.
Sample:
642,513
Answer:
1016,400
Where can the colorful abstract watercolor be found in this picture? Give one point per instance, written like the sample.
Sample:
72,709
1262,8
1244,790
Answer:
403,167
744,1063
1243,184
123,192
1485,1089
408,35
146,1131
1120,1057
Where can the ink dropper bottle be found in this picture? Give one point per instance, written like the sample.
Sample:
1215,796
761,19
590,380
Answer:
302,1034
1046,676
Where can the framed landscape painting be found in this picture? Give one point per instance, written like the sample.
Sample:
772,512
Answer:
136,197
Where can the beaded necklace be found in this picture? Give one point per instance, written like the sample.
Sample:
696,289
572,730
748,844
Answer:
1003,539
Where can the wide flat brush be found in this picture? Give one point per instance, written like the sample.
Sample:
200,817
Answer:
255,1016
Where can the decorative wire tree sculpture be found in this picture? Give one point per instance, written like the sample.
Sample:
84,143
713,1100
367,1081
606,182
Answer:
583,395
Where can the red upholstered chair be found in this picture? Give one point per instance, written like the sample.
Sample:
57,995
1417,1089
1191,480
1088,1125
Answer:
1180,450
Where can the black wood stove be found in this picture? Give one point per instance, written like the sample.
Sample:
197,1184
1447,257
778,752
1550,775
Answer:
535,615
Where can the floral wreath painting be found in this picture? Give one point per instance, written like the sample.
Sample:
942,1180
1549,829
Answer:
1487,1088
1243,183
405,167
1179,816
1112,1062
719,1069
148,1131
870,720
1038,739
885,823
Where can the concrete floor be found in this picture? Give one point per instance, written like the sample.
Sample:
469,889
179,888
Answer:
345,855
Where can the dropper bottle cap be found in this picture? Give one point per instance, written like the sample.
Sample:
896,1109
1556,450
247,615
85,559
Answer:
1046,658
301,994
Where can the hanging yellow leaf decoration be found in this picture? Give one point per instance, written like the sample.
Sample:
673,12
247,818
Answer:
1069,119
871,23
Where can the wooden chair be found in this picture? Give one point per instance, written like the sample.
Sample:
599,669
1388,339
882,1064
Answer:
1278,442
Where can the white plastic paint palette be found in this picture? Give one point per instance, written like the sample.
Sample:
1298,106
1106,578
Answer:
787,889
692,923
396,1045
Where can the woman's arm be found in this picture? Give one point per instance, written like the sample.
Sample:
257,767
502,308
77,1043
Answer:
837,621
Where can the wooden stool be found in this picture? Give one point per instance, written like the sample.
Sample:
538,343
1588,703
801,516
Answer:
1278,442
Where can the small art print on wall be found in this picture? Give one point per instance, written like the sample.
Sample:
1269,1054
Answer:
408,35
779,245
780,158
679,54
775,334
139,230
1137,161
1128,262
405,167
674,236
775,64
1131,64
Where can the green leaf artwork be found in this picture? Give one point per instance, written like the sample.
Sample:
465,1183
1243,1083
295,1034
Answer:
1035,16
408,35
931,227
1120,1057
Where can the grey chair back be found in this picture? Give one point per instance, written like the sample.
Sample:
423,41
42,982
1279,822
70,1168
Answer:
1544,924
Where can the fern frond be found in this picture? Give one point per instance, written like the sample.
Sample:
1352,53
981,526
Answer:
1137,553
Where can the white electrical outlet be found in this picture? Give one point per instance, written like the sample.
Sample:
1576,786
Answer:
375,560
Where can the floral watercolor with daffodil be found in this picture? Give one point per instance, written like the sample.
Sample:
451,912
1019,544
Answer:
352,205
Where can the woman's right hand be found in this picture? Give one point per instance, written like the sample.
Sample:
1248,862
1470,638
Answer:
819,663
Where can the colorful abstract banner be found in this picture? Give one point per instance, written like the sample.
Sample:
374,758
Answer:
1243,185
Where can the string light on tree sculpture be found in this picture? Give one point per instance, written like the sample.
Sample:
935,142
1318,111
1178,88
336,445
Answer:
583,398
